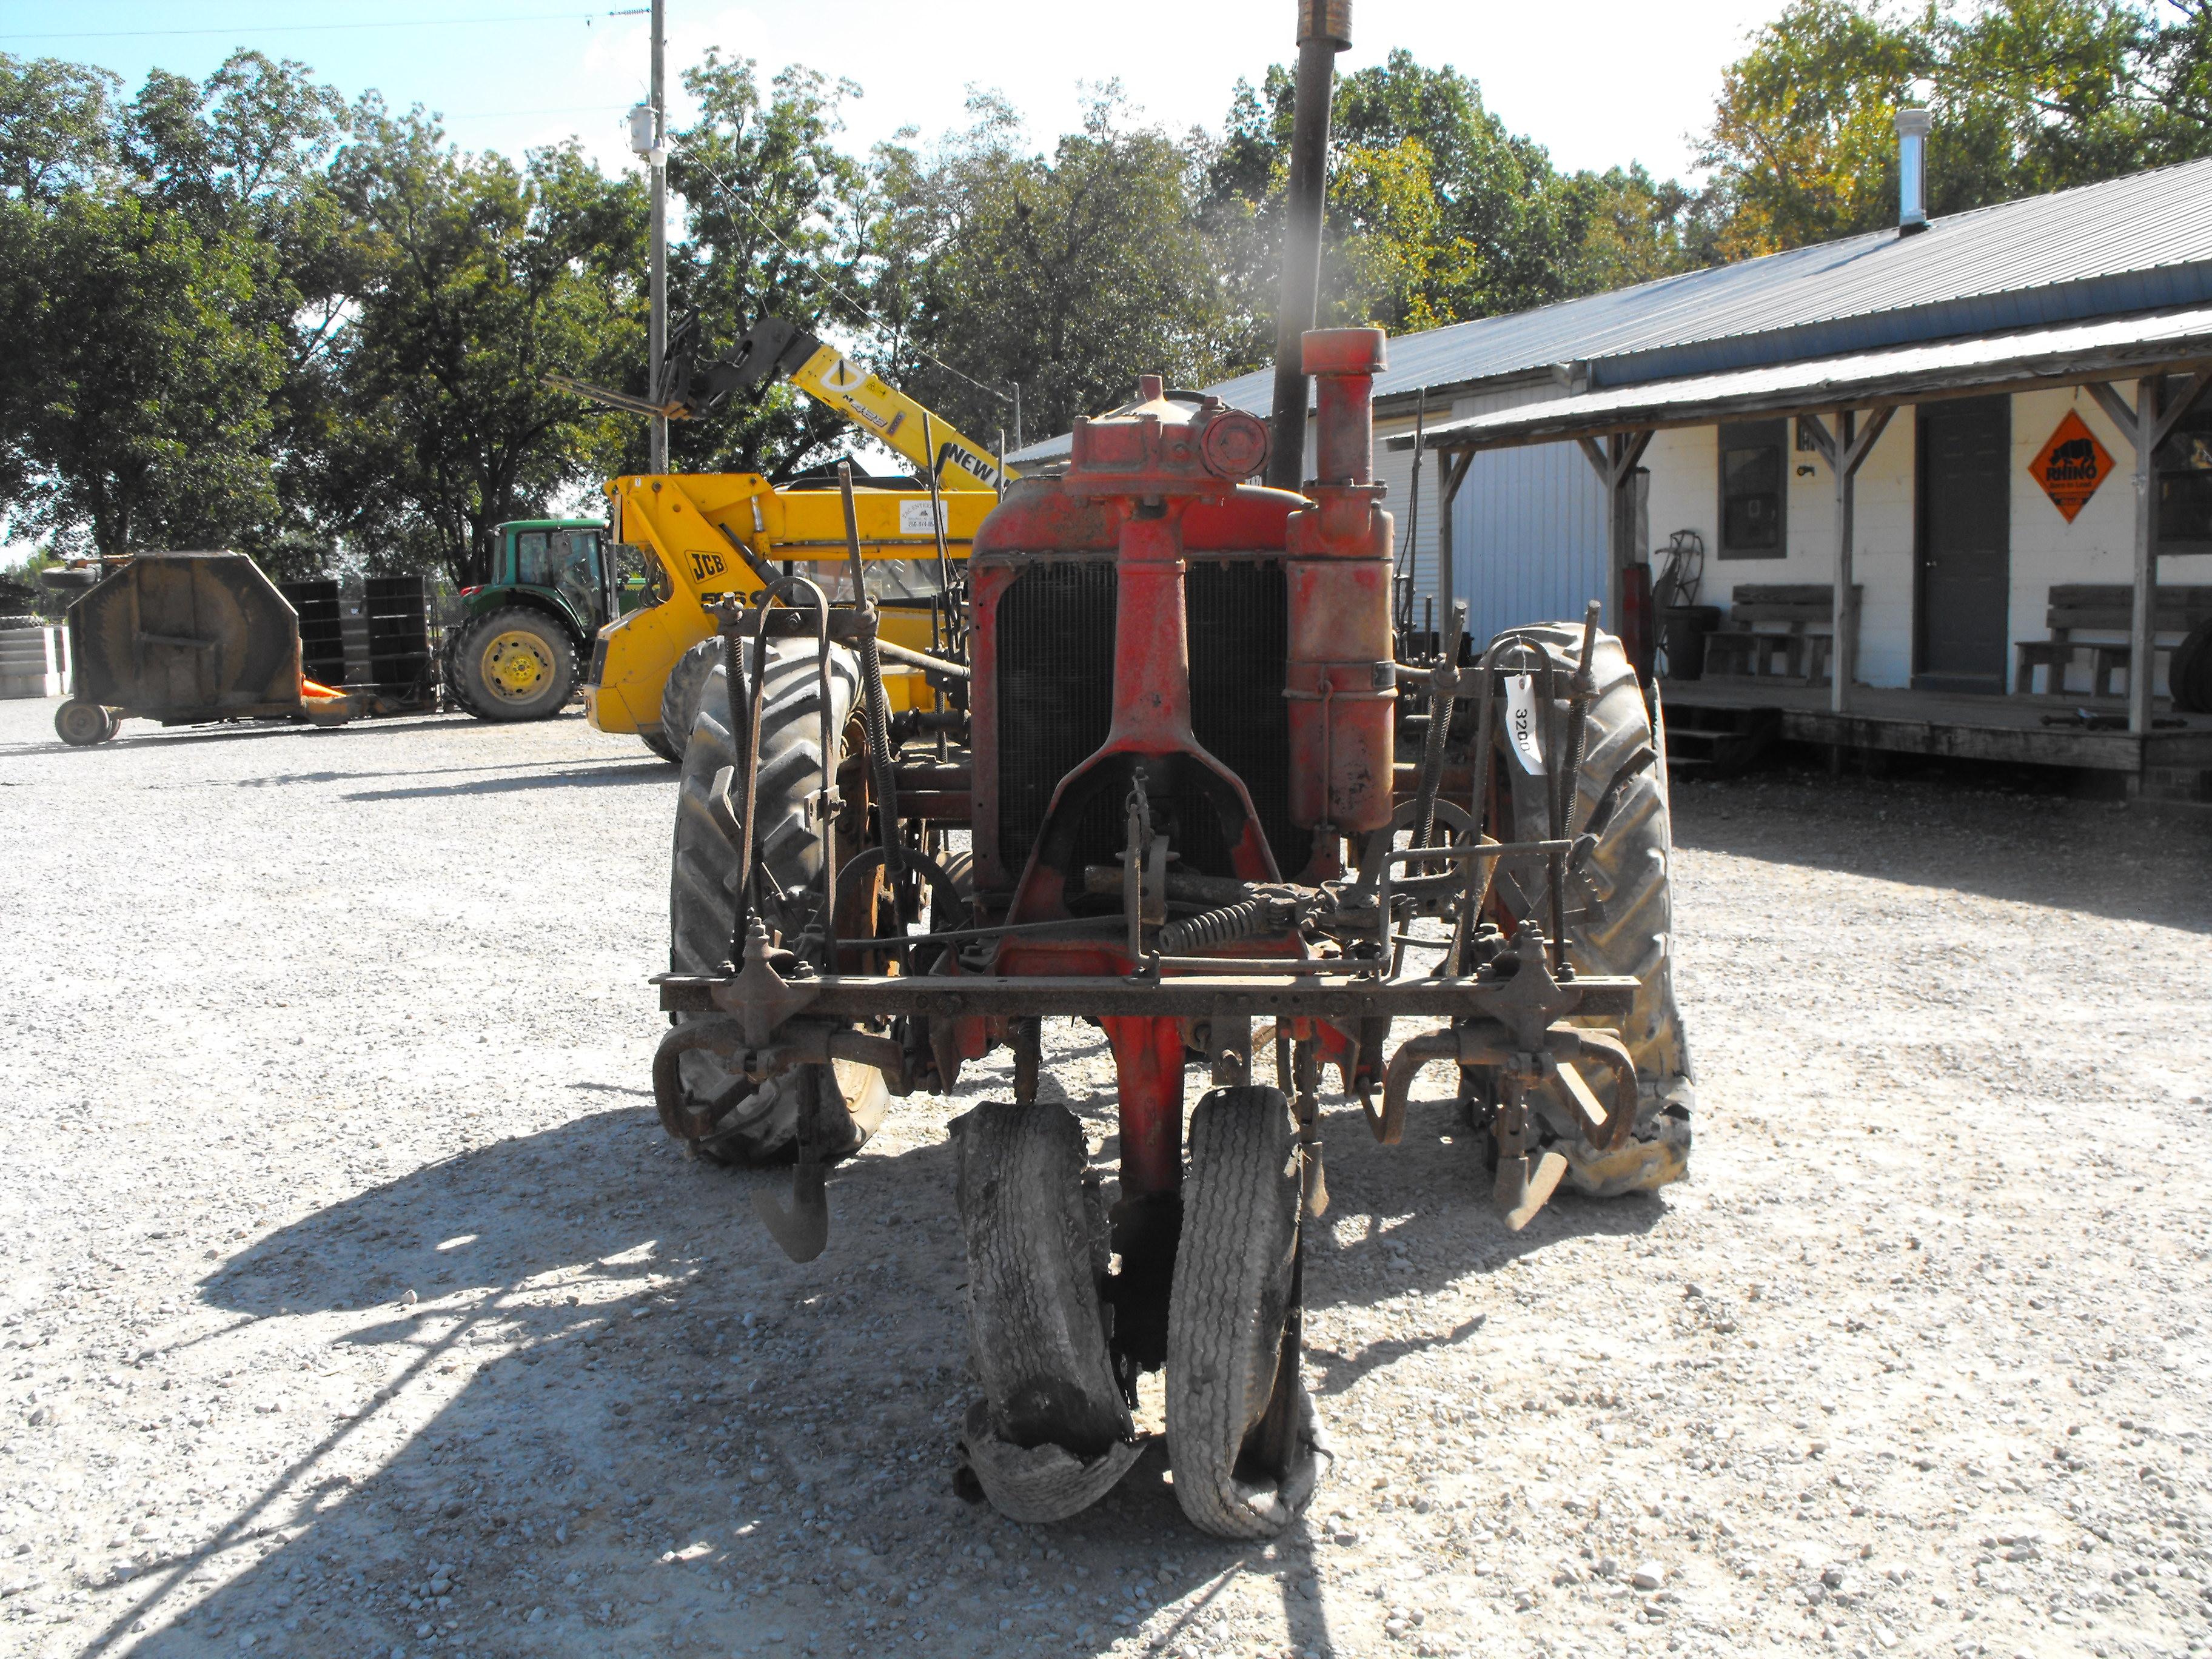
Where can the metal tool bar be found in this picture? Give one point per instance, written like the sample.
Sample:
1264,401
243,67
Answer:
844,996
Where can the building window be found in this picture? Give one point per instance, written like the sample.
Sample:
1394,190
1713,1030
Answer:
1754,477
2184,478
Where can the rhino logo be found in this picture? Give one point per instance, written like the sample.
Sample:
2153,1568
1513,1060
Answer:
2073,461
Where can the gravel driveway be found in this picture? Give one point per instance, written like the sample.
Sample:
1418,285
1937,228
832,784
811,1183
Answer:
355,1304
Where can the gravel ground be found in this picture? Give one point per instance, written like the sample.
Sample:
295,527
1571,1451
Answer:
356,1304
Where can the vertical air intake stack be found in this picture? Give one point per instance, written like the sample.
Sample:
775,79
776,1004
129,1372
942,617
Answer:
1342,683
1324,30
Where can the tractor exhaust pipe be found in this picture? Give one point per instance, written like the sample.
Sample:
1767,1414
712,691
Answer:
1324,30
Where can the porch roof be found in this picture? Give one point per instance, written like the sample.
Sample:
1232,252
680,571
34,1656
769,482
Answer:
2070,354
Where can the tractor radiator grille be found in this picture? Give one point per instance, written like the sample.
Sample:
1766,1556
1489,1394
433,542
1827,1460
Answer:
1055,683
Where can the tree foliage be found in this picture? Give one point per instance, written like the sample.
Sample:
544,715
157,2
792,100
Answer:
155,257
1069,274
244,313
469,281
1436,212
2027,96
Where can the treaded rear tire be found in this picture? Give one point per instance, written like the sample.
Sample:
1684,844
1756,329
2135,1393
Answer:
462,667
759,1125
1227,1312
1620,920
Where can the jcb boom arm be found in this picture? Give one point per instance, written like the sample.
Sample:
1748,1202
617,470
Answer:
687,388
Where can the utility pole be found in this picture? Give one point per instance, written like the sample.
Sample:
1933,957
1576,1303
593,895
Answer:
657,329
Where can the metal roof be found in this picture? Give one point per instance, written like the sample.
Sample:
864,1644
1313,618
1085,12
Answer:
2139,243
2069,354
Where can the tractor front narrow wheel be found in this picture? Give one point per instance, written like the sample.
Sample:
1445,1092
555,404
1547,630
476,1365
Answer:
1229,1359
511,664
1052,1434
754,1124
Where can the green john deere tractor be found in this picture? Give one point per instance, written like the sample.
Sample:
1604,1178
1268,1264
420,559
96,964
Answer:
514,654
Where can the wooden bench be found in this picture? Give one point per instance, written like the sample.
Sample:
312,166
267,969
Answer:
2104,608
1777,629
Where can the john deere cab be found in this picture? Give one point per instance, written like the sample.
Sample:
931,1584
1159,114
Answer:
514,654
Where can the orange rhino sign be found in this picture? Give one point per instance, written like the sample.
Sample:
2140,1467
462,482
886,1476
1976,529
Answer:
2070,465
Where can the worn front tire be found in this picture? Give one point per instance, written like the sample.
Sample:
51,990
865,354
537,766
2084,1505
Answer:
679,699
1052,1434
1228,1315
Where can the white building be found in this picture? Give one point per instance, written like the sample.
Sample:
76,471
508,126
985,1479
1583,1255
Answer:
1965,342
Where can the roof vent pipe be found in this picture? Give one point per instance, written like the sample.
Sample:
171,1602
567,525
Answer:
1913,125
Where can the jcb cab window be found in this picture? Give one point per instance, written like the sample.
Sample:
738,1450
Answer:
1753,477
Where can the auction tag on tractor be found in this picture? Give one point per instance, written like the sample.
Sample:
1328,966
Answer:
1521,727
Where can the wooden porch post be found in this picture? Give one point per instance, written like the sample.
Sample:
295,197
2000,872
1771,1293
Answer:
1844,652
2142,661
1615,465
2146,427
1844,451
1450,476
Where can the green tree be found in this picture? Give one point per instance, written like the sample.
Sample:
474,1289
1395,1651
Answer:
778,218
145,268
1069,275
2028,96
467,280
1436,212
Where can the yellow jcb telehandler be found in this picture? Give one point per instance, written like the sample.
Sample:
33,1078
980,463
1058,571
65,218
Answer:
702,536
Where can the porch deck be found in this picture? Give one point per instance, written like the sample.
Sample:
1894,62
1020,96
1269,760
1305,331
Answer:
1963,726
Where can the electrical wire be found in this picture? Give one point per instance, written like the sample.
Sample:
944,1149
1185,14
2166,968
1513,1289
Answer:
308,28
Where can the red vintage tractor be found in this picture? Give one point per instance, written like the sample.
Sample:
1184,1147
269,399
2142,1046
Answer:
1185,814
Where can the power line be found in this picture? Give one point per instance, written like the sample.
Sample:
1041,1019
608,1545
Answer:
310,29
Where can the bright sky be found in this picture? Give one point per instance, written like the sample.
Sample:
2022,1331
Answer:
1596,82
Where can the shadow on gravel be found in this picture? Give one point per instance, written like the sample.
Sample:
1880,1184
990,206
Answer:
655,1433
2097,857
284,780
587,776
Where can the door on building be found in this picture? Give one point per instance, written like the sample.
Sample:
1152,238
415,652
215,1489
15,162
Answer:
1963,557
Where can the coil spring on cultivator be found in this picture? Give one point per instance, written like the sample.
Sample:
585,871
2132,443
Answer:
1224,925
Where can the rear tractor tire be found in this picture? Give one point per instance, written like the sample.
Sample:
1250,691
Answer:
757,1124
511,664
1232,1372
1619,920
1052,1434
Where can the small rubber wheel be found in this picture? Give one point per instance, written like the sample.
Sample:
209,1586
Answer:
514,665
1053,1432
1228,1317
82,725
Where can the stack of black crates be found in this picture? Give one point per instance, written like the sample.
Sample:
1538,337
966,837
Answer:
379,642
